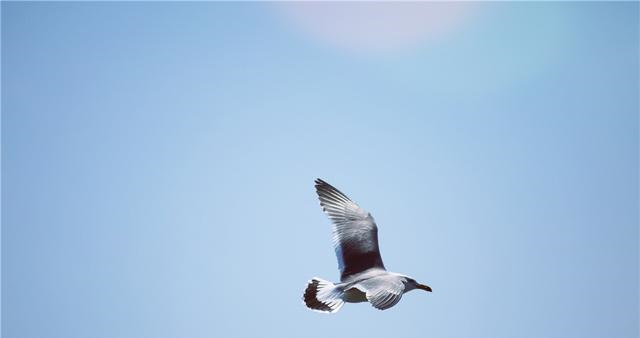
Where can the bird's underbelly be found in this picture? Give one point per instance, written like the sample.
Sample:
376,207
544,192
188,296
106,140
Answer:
354,295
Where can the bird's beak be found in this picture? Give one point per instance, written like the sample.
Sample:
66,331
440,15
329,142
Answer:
423,287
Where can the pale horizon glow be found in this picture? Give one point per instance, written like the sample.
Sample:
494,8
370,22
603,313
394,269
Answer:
377,26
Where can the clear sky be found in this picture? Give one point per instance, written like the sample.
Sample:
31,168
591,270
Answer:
158,163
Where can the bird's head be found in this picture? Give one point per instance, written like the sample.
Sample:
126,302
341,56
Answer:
411,284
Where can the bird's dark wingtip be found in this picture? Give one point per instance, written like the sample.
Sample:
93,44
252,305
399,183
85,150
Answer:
320,184
324,188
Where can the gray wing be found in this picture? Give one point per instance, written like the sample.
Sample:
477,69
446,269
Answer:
382,292
355,234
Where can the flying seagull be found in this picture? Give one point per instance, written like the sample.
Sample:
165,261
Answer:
363,277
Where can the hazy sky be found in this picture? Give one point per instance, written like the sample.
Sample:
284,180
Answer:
158,163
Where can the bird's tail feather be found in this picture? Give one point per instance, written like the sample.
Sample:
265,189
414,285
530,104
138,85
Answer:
324,296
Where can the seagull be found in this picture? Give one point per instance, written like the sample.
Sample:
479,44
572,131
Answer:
363,277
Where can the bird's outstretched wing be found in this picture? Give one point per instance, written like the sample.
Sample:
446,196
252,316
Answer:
355,234
382,292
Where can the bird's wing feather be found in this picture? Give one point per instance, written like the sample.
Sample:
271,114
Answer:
355,234
382,292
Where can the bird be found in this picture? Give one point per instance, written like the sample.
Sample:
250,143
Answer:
363,277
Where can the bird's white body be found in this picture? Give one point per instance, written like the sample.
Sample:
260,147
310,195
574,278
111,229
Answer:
352,289
363,275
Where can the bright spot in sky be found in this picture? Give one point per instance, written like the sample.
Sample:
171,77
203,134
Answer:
377,26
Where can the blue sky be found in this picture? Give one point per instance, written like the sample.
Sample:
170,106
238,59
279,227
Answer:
158,163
